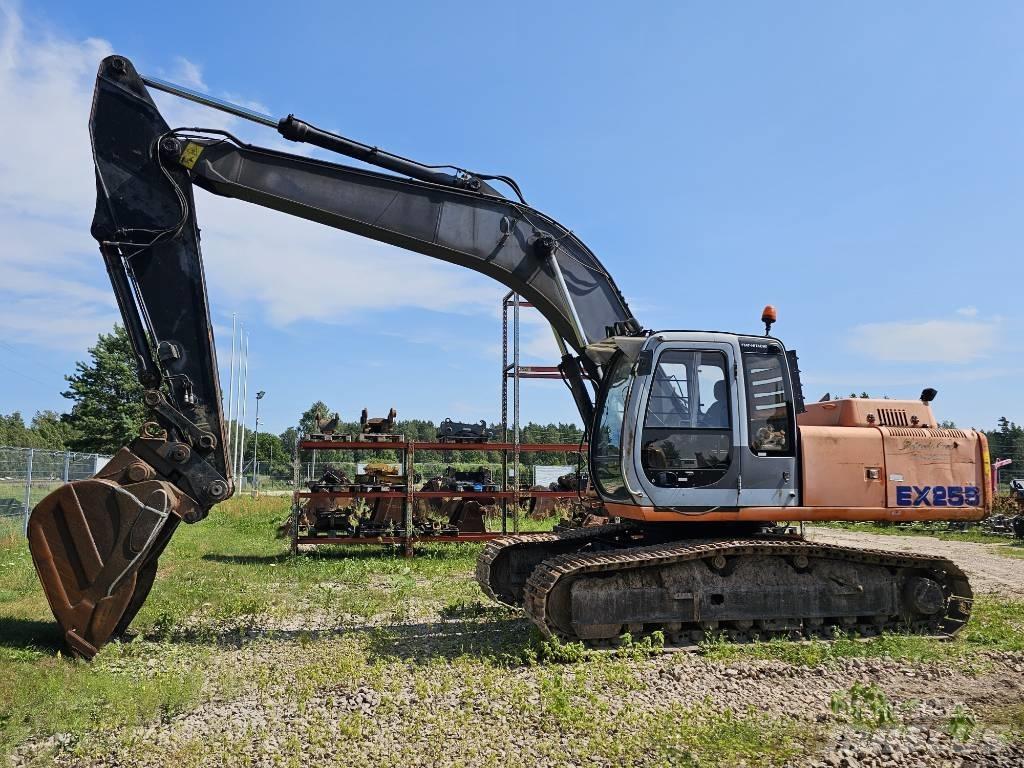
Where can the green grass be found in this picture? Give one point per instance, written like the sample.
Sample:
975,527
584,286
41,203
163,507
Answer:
702,736
995,624
526,524
52,694
215,578
16,489
1009,719
366,616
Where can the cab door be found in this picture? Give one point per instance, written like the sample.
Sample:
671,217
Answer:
768,432
686,414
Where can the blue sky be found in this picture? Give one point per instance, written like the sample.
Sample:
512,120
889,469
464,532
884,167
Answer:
859,165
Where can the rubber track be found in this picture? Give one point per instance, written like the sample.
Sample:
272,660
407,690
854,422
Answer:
496,547
547,574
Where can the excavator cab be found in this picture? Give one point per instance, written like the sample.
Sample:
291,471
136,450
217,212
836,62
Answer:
695,421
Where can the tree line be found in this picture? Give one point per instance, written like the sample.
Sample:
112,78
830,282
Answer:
107,410
425,430
107,413
1006,441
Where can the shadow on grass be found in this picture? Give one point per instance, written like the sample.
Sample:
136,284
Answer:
366,552
29,634
284,557
497,639
500,640
246,559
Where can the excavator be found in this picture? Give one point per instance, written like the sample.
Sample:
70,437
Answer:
699,441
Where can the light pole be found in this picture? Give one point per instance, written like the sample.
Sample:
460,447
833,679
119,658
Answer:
256,439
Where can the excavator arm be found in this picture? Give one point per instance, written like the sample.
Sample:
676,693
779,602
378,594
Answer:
95,543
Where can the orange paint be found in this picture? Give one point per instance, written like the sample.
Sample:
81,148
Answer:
793,514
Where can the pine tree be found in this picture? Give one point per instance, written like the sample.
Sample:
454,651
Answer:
108,411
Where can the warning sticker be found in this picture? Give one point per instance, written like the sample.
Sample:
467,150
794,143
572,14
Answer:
191,154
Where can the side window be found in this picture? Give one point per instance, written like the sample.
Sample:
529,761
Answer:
669,401
769,404
687,440
606,450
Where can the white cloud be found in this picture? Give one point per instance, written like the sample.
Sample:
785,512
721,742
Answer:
53,288
537,340
454,346
187,73
46,171
971,311
52,285
945,341
54,321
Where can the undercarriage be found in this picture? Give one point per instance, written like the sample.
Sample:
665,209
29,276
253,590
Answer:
596,584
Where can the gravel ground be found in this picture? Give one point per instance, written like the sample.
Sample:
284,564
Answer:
314,691
388,716
988,571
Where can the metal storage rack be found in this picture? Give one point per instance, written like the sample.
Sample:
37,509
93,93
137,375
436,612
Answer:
510,448
408,450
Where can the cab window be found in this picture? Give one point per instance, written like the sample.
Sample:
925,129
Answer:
769,403
606,451
687,435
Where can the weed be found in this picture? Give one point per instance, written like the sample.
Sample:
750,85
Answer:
865,705
565,699
552,650
69,696
701,736
647,646
995,624
474,609
961,724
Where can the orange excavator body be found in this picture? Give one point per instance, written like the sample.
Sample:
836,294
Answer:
866,459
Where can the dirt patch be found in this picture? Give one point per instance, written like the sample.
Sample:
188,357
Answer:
988,571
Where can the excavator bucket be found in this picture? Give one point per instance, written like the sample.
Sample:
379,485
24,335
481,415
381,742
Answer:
95,545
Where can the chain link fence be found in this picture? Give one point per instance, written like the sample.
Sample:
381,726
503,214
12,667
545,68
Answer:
268,478
1005,478
28,474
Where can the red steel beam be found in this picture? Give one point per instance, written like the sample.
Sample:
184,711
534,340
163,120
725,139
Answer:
523,447
323,445
434,494
462,537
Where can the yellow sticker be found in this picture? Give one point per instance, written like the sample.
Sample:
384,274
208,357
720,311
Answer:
191,154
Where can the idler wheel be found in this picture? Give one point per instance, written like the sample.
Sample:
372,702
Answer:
924,595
